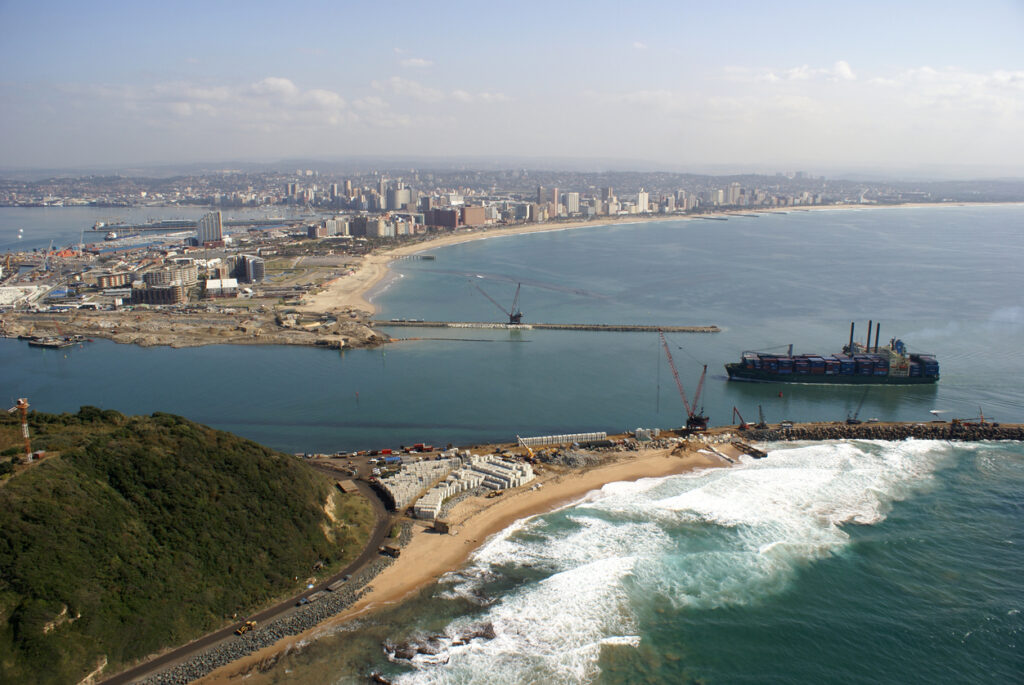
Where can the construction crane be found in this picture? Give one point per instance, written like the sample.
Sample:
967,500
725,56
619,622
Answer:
853,420
695,421
761,423
515,317
743,425
22,408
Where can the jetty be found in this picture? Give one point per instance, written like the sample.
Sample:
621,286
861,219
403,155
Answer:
618,328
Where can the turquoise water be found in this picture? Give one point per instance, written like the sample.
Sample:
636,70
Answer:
861,562
946,280
825,563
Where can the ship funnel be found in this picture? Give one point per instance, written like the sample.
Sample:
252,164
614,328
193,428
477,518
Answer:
878,328
851,337
867,347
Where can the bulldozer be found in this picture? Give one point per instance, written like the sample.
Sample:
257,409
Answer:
245,627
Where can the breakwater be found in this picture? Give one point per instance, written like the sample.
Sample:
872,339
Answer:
888,431
618,328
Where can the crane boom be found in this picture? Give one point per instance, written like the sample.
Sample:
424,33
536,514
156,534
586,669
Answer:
675,374
515,316
494,301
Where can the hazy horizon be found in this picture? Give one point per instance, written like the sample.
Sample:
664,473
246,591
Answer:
908,90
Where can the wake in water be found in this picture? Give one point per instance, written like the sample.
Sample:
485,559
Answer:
561,586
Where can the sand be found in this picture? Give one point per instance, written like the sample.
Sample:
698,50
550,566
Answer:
430,555
352,291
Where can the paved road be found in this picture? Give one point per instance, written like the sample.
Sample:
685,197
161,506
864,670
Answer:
369,553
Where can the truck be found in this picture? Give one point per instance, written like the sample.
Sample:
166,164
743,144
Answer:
390,550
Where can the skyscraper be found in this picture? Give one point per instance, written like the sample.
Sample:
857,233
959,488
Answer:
572,203
643,201
208,229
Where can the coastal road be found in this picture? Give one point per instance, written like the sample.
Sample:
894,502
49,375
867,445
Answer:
382,527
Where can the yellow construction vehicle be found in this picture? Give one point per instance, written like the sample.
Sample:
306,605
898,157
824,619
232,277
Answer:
245,627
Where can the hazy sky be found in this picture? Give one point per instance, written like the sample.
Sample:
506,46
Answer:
788,85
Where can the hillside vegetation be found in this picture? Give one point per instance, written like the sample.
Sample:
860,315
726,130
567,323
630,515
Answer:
146,532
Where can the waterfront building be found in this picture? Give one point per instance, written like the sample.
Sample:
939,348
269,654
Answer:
473,216
209,229
642,201
572,203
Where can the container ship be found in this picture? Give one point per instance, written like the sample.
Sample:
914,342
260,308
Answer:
863,364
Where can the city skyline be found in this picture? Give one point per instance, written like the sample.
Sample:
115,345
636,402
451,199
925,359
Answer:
792,86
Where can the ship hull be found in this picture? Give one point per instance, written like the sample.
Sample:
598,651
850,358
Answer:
738,373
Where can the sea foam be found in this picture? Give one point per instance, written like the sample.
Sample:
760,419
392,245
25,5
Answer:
717,537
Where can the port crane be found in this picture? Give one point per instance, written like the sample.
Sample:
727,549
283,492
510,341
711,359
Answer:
515,317
695,420
22,408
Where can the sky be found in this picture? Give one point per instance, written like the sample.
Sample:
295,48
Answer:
892,86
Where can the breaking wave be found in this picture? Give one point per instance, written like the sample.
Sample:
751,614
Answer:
718,537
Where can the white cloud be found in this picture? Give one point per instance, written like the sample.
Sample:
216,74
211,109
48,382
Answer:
485,97
408,88
416,63
639,45
840,71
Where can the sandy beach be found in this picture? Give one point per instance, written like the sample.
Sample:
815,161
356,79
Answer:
351,291
430,555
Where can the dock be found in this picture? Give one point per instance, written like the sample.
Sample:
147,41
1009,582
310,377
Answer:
616,328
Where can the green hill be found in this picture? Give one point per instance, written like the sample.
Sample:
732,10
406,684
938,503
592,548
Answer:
146,532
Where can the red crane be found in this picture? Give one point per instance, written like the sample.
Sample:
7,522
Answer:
695,421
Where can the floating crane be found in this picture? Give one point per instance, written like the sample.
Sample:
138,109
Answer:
22,408
515,317
695,421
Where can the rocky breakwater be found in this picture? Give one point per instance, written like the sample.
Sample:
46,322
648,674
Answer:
887,431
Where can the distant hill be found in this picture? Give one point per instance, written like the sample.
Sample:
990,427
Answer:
146,532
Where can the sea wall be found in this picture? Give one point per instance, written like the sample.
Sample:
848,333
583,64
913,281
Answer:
888,431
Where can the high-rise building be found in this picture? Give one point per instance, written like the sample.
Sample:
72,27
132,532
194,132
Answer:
255,269
209,229
554,199
643,201
540,195
608,194
734,194
572,203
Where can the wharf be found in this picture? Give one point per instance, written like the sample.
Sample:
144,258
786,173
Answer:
619,328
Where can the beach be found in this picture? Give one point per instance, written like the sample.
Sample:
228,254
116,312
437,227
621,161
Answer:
430,555
352,291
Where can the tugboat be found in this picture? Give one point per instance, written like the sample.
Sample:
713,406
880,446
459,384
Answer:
857,364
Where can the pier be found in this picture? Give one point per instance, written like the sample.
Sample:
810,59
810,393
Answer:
616,328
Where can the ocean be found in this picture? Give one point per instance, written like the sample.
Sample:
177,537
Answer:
833,562
853,562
